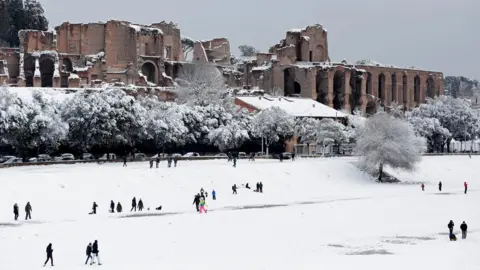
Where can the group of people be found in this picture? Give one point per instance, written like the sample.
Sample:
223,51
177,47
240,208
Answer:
463,228
119,207
28,211
170,158
259,187
440,186
92,254
200,200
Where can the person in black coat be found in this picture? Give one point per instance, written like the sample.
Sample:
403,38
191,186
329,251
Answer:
134,205
151,163
140,205
89,254
157,161
112,207
94,208
15,211
440,186
49,255
234,189
175,160
464,228
95,253
125,160
260,185
119,207
28,210
450,226
196,201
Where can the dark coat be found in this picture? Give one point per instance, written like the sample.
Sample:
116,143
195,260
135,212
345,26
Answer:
95,248
134,202
450,225
140,204
15,209
89,250
196,200
464,227
28,208
49,250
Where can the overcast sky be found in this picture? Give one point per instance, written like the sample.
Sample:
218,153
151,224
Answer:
441,35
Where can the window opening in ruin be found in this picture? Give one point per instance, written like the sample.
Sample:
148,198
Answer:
146,49
339,90
68,64
298,88
288,81
356,79
371,108
416,89
168,69
394,87
430,87
167,50
311,56
369,83
322,87
405,90
148,70
63,81
29,70
381,86
47,67
176,71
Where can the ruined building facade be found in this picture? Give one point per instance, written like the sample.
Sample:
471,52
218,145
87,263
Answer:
300,65
79,55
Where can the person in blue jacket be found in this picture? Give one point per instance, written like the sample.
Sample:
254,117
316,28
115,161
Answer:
214,194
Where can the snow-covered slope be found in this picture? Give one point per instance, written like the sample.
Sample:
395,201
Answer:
314,213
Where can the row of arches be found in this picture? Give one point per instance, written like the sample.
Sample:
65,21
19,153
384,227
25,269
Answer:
46,67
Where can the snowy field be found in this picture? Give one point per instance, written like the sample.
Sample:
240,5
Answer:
313,214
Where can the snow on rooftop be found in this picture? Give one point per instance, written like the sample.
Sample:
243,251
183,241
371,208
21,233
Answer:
299,107
143,28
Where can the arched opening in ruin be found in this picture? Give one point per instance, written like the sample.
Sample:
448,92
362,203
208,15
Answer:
371,108
431,87
381,87
356,79
298,88
394,88
149,71
288,81
405,90
67,63
47,68
322,87
369,83
416,89
29,70
338,90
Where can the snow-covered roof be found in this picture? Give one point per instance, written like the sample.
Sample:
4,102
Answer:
299,107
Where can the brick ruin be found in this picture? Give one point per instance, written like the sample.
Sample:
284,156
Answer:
82,55
300,65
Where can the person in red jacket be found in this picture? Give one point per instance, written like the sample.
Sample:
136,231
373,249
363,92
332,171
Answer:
466,187
423,187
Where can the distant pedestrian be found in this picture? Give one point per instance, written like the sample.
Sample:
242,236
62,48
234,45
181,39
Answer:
234,189
140,205
169,161
95,252
134,205
125,161
49,255
440,186
261,187
450,226
196,201
175,160
234,161
214,195
293,156
464,228
15,211
157,161
94,208
423,187
247,186
206,194
112,207
151,163
119,207
257,188
28,210
252,156
466,187
89,254
202,206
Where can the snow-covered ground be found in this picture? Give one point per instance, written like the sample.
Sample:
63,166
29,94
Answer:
313,214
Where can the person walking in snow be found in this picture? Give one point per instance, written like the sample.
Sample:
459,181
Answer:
49,255
151,163
214,195
423,187
169,161
134,205
234,160
257,189
466,187
196,201
95,253
440,186
125,160
28,210
450,226
157,161
15,211
293,156
464,228
112,207
234,189
175,160
202,206
140,205
201,192
89,253
94,208
119,207
261,187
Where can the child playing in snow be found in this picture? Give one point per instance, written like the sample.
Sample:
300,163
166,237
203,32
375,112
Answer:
202,205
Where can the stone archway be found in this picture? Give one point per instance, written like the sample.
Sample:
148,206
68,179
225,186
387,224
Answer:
150,72
405,89
356,80
67,63
322,87
339,90
298,88
416,89
47,68
29,70
369,83
288,81
394,88
371,108
381,87
431,87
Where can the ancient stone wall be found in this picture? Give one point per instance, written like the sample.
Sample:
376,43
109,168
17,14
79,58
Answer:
121,41
86,39
172,40
33,40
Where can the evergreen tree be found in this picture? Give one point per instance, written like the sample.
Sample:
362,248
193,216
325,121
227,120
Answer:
4,24
35,16
21,15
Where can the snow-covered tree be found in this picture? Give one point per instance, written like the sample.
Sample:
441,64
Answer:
330,131
306,129
229,136
187,45
431,130
247,50
385,140
459,86
200,84
34,15
273,124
